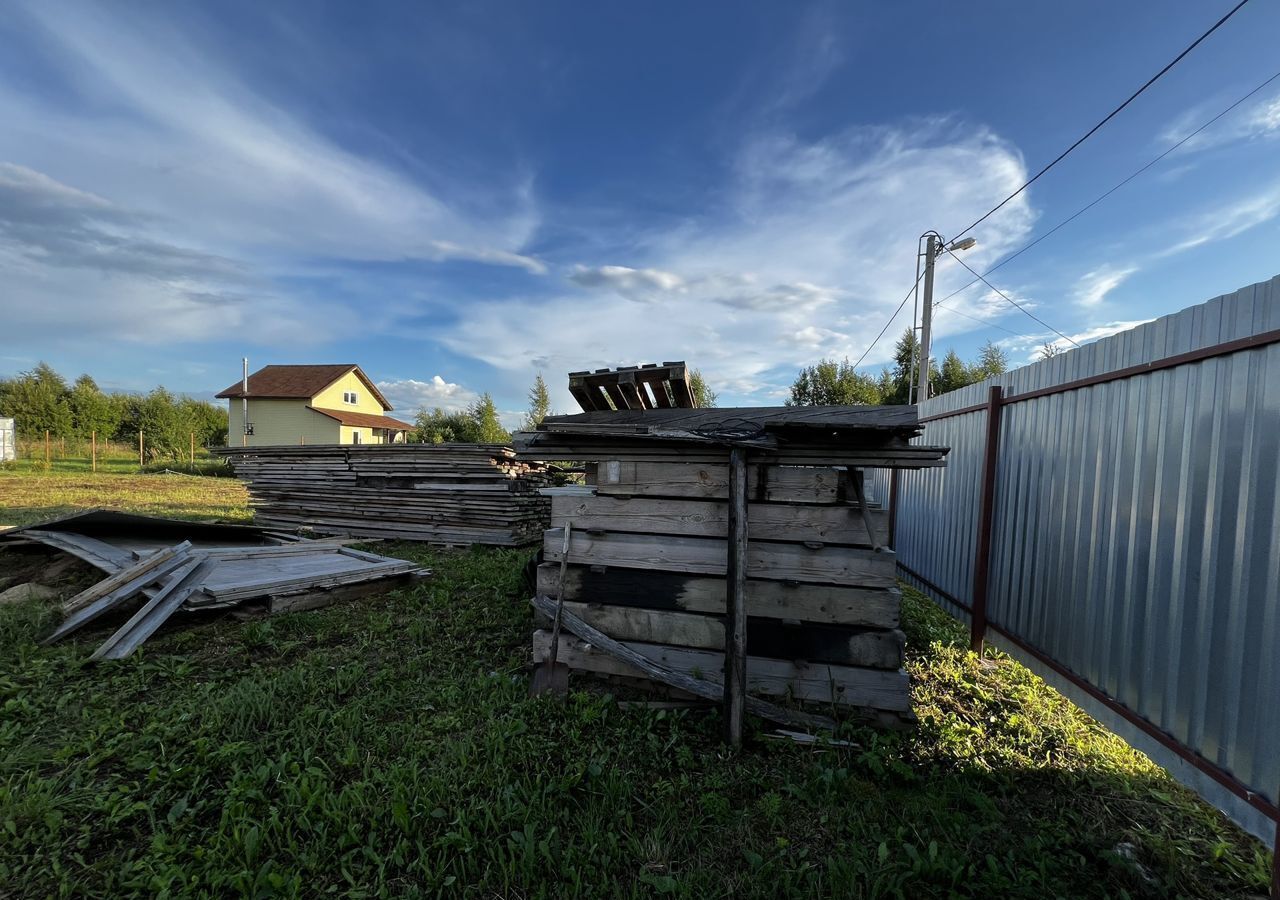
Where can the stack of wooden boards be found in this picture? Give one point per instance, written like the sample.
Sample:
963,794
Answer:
647,558
440,493
216,566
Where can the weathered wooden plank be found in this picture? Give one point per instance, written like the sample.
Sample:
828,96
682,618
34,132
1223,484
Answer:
774,483
836,605
694,684
823,564
181,584
875,649
833,524
820,683
147,571
735,625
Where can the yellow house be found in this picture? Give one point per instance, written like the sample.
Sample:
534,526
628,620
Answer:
311,405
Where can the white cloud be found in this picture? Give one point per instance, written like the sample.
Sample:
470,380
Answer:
1094,286
747,292
1235,217
1257,120
408,395
634,284
1031,344
202,190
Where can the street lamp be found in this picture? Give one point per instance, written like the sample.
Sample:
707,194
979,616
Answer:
926,310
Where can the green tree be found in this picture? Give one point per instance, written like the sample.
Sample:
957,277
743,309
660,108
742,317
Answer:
953,375
1049,350
164,429
904,372
831,383
489,428
39,401
539,404
207,422
92,411
703,396
991,361
440,427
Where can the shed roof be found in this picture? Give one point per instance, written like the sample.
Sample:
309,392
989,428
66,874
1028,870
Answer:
363,420
299,382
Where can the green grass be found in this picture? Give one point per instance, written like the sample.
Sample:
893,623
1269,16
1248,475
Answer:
388,747
113,459
27,497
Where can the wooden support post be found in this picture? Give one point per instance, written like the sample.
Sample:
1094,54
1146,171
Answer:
141,461
193,451
735,632
892,541
46,446
93,451
986,514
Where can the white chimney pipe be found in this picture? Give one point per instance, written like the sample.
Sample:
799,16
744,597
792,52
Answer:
244,404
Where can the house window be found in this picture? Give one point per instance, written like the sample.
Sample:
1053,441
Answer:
349,397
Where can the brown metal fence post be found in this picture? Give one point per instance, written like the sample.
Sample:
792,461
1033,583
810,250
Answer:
735,632
982,554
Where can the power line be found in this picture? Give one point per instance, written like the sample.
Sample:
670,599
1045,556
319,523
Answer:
1111,115
1011,301
1071,218
888,323
982,321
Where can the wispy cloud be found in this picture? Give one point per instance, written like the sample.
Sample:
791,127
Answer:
1030,346
1255,120
746,291
1226,220
1093,287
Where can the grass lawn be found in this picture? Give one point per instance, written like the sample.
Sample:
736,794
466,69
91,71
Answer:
27,497
388,747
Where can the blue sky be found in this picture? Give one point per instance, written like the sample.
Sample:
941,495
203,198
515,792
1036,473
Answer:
457,196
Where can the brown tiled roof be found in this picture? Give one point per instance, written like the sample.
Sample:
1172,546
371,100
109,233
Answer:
362,420
304,382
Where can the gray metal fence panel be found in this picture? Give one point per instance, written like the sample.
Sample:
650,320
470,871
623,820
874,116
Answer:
1136,536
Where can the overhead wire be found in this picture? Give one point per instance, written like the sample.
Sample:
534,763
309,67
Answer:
1071,218
1010,300
890,322
1109,116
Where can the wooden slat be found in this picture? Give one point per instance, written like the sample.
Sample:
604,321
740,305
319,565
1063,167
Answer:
123,577
772,483
707,556
678,592
177,587
125,591
876,649
841,685
832,524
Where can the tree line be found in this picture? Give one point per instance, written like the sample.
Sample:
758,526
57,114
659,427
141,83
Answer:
41,400
832,383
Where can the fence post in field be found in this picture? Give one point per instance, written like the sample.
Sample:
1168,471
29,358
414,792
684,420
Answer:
193,451
141,462
982,553
93,451
46,447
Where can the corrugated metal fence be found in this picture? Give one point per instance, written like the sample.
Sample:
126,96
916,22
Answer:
1135,535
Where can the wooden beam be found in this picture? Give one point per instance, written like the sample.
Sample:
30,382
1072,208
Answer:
820,564
735,624
678,592
831,524
847,686
772,483
870,648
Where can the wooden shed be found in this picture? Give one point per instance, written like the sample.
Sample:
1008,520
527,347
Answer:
735,544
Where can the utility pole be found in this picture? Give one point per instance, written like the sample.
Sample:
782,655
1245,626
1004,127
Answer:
926,317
